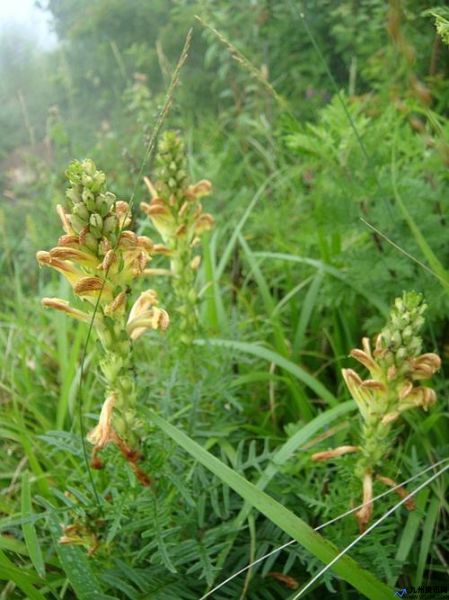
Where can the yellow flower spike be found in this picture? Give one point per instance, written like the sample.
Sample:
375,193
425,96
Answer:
395,365
98,256
64,306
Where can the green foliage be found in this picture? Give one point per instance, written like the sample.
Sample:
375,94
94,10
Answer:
291,279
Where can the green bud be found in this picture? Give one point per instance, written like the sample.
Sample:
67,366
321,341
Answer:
77,223
110,225
81,211
96,221
91,242
89,199
73,195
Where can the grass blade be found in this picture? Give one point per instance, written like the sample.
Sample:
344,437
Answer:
29,530
427,536
23,580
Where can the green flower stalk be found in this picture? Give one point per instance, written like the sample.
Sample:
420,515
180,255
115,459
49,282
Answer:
102,260
176,212
395,365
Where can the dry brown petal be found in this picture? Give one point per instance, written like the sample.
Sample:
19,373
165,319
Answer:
400,491
64,306
340,451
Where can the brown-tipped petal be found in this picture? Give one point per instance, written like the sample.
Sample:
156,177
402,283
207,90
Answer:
145,207
108,260
150,187
392,373
123,213
64,219
364,358
66,268
155,318
103,433
180,230
145,242
143,303
161,249
204,223
363,516
373,384
64,306
400,491
351,378
424,366
72,241
405,390
158,209
420,397
74,255
340,451
128,239
202,188
90,286
117,305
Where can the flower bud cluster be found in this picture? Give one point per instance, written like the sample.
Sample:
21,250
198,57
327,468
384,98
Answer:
176,212
101,260
395,365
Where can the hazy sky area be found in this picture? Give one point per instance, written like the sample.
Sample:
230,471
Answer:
25,15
